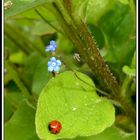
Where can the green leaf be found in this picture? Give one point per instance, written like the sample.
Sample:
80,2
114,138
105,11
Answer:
124,1
30,65
31,14
133,63
21,126
17,57
96,8
41,77
129,71
7,78
22,5
119,33
64,44
41,28
79,8
7,109
15,77
14,97
111,133
75,104
91,10
98,35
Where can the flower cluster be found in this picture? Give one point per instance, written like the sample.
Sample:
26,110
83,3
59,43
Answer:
53,64
51,47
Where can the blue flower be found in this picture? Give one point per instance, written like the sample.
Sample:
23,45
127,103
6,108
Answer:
51,47
54,65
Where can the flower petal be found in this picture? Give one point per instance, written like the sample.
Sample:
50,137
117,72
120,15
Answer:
53,59
49,63
58,62
47,48
56,69
52,42
52,49
50,68
51,46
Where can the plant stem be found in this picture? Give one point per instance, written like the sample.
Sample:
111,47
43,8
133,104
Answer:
23,42
78,33
16,41
125,85
37,11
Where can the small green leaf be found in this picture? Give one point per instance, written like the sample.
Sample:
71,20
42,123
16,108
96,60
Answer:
22,5
21,126
133,63
129,71
75,104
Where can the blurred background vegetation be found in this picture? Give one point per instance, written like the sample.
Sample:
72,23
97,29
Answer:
27,33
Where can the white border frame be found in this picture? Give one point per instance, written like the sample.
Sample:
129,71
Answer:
137,96
2,69
137,122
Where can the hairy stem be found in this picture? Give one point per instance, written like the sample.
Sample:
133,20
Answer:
82,39
78,33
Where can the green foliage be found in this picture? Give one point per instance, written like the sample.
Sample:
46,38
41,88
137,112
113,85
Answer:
13,97
17,58
75,104
31,64
21,6
7,110
79,8
124,1
41,28
118,33
109,134
40,77
98,35
29,27
65,45
21,125
118,37
129,71
96,8
91,10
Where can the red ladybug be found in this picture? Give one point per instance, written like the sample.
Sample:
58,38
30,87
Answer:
54,126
